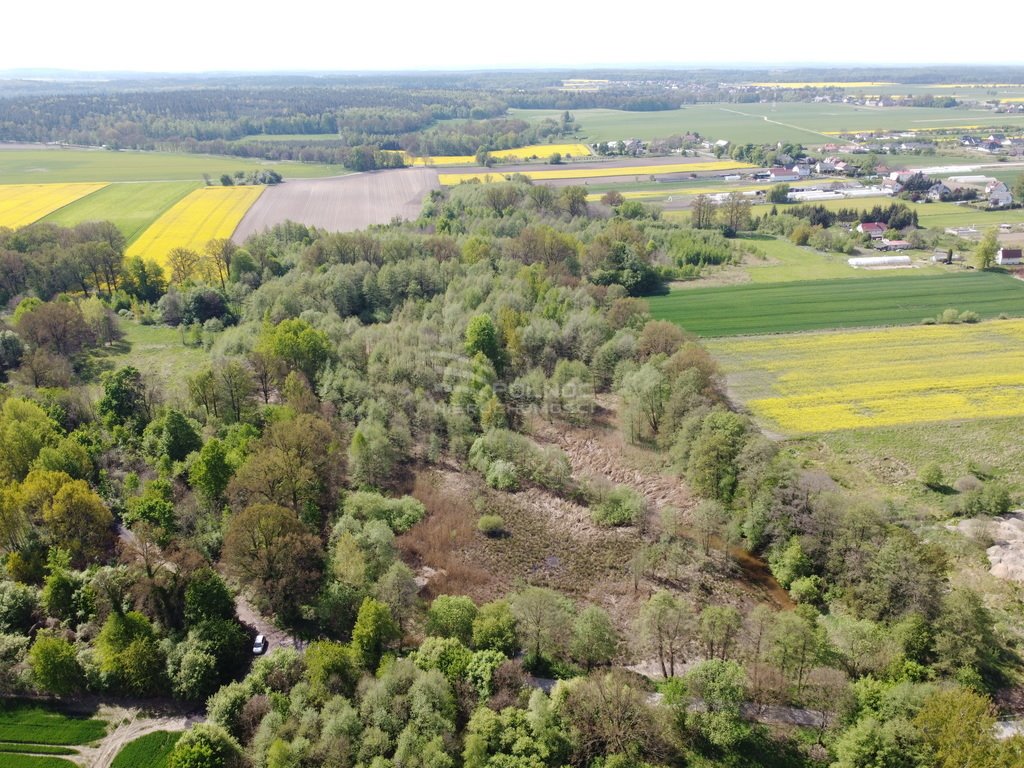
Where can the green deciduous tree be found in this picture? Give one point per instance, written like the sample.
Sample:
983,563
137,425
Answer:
269,550
452,616
494,628
55,667
664,625
594,639
543,619
721,686
374,631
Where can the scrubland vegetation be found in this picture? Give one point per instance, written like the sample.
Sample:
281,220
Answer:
489,508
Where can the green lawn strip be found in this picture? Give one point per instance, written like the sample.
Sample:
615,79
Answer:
41,166
929,215
34,761
786,262
149,751
32,724
131,206
822,304
37,749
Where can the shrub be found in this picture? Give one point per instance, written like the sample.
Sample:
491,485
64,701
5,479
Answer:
967,483
621,506
490,525
967,316
931,476
948,316
503,475
400,514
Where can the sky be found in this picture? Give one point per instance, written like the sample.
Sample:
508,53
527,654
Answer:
299,35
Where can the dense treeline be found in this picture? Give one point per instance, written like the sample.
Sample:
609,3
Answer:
341,367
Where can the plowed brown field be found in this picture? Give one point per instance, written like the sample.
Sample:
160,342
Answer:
341,203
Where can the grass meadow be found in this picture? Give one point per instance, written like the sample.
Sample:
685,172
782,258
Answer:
37,166
131,207
806,123
881,300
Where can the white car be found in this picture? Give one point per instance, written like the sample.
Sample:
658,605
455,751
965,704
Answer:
260,645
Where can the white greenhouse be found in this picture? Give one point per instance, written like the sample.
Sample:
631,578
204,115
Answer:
879,261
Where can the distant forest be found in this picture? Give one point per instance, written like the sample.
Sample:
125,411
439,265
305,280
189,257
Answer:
427,114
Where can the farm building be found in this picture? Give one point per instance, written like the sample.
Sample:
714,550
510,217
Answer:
874,229
1009,256
944,257
783,174
879,261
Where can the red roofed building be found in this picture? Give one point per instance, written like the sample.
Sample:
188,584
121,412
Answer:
873,229
1009,256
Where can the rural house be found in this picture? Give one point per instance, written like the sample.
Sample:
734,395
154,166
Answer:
1009,256
998,195
873,229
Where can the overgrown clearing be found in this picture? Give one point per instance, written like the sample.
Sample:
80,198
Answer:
149,751
34,165
22,204
33,724
895,299
157,351
203,215
802,122
830,381
131,207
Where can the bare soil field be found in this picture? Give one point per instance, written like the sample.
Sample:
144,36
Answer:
341,203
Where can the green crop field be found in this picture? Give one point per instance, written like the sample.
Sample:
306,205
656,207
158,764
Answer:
149,751
132,207
802,122
36,749
39,166
31,724
35,761
821,304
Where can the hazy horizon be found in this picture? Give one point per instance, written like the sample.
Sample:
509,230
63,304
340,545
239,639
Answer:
112,36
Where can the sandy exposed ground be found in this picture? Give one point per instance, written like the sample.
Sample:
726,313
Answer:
1006,555
341,203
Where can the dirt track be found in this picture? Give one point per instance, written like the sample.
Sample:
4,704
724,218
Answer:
341,203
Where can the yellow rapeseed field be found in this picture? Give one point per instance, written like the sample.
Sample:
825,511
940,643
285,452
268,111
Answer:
595,170
820,382
22,204
542,151
201,216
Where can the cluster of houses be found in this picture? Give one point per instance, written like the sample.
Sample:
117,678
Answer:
993,144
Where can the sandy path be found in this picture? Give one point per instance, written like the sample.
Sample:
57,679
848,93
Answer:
131,725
